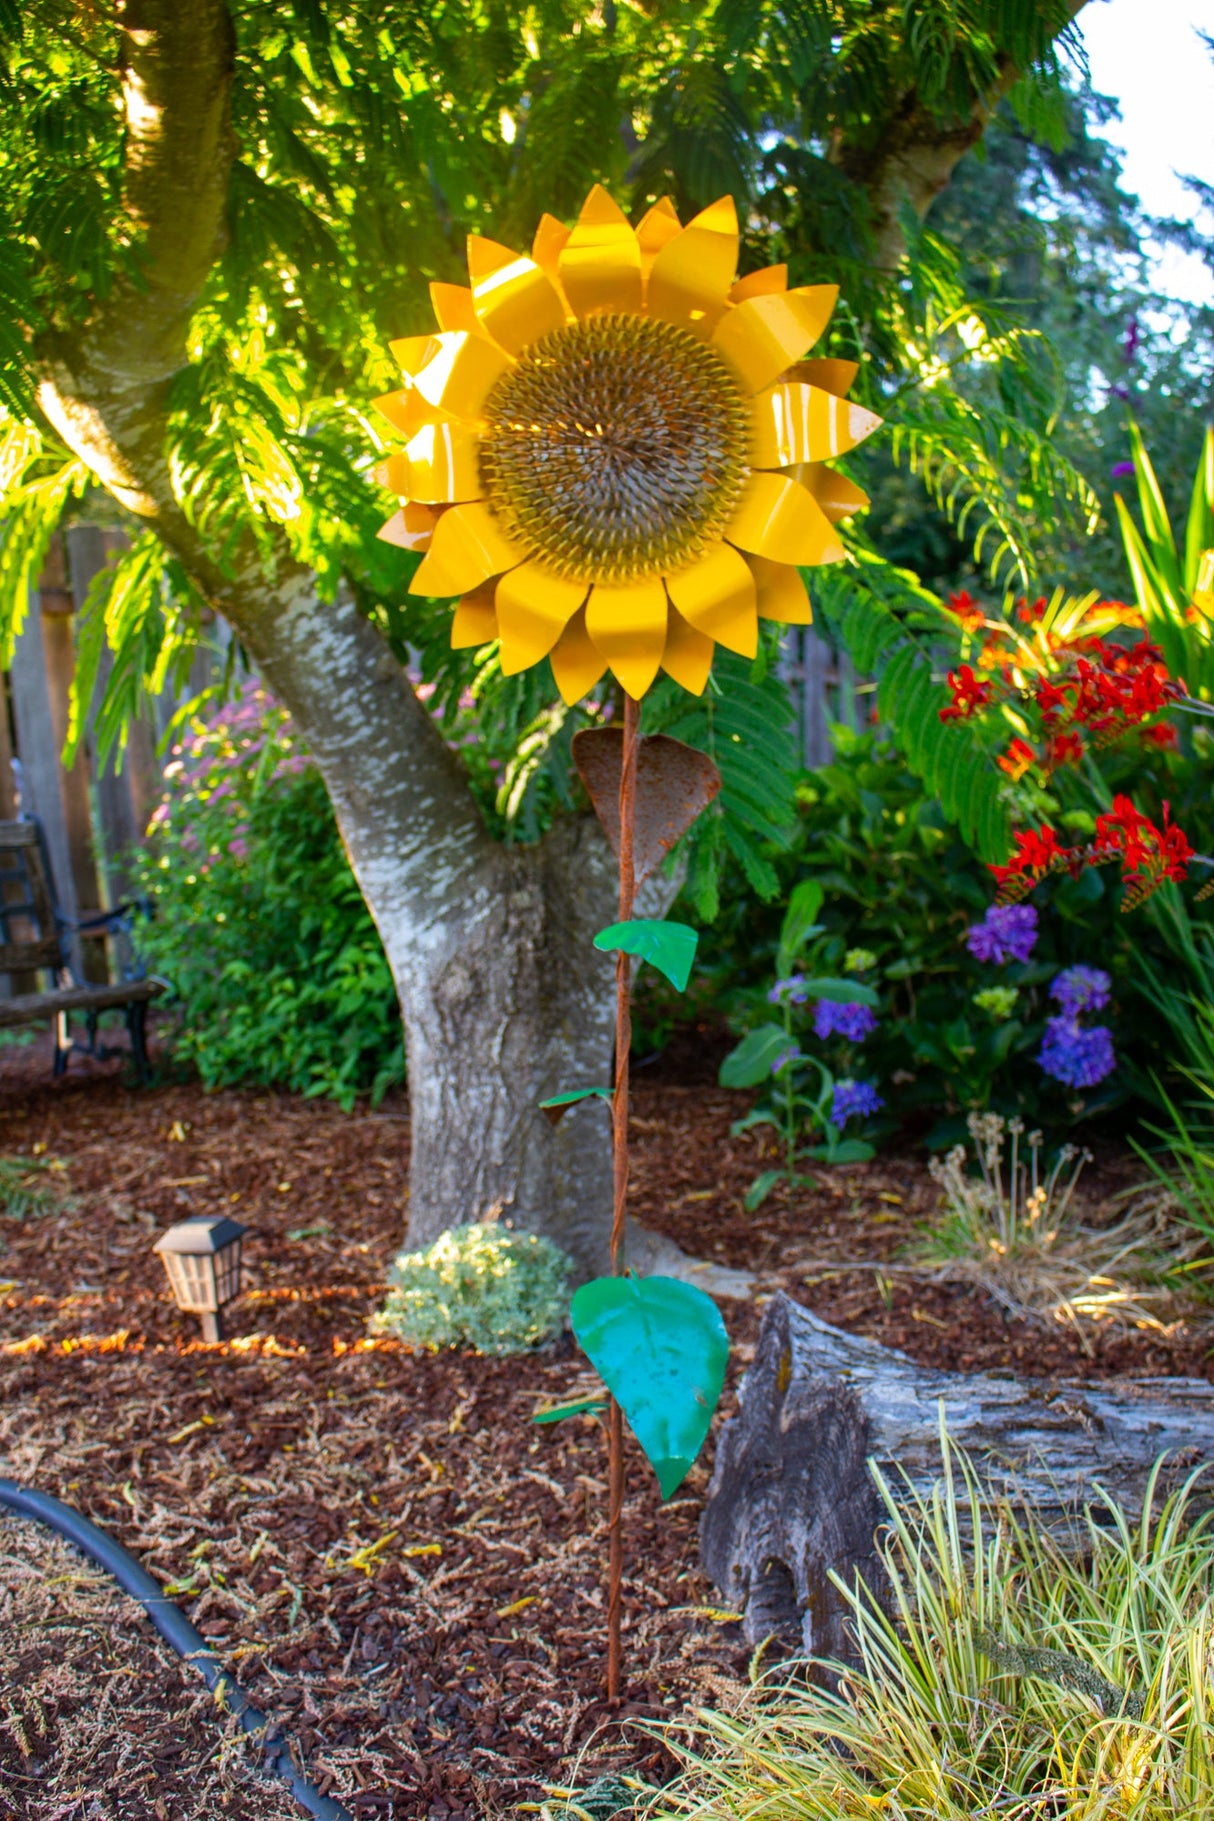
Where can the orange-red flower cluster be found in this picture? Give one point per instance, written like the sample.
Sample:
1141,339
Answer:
1094,690
1148,854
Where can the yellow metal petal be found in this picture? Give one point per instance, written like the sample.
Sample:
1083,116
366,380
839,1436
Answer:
466,550
782,595
716,595
576,663
412,353
688,654
798,423
777,517
462,373
443,464
837,496
453,306
475,621
517,303
837,376
534,606
691,276
656,226
628,625
600,263
411,528
486,257
550,238
763,336
406,411
394,475
763,283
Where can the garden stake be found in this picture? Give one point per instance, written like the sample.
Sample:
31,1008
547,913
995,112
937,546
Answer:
619,1119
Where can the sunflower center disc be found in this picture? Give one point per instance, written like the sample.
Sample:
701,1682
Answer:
616,448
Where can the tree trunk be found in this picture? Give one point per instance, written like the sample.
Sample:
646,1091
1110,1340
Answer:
792,1498
505,999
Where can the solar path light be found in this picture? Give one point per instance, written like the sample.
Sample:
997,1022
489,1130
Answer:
202,1258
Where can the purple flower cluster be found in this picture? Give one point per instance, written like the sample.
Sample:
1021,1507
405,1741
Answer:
849,1019
1081,989
854,1100
1078,1058
792,991
785,1057
1006,933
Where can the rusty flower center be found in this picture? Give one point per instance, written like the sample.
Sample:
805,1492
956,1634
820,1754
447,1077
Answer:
615,448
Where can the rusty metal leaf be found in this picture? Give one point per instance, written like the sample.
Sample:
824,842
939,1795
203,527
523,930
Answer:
674,783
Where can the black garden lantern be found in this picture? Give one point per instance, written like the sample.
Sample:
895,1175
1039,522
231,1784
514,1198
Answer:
202,1258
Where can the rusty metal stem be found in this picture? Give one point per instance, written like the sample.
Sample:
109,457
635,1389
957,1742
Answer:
619,1117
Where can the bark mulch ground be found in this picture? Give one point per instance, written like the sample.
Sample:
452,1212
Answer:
391,1558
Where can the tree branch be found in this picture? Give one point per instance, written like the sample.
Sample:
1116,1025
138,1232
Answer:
105,387
915,156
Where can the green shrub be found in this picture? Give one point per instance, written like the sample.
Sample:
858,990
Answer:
478,1286
1016,1680
259,926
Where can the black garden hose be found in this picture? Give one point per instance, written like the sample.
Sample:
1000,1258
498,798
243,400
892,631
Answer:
176,1630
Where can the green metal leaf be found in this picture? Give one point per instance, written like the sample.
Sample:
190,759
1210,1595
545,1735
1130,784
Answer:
661,1349
754,1058
670,947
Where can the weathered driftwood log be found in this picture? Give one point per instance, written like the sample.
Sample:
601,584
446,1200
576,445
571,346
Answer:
792,1497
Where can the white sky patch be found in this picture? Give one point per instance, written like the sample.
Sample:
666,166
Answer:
1147,55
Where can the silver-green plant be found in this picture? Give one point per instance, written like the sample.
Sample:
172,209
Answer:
480,1286
1011,1677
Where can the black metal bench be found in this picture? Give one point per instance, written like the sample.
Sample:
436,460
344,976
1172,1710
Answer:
35,938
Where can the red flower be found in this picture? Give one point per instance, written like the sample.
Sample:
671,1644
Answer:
1162,734
967,609
1018,759
1037,852
970,694
1063,749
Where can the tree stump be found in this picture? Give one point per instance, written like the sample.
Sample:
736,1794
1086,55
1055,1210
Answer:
792,1496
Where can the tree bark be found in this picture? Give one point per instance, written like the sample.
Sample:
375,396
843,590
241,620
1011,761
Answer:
793,1499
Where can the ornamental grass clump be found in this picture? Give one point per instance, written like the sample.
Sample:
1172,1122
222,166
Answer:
1013,1229
1016,1678
478,1286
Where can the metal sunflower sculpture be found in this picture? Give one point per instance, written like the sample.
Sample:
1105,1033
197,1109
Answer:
616,452
616,456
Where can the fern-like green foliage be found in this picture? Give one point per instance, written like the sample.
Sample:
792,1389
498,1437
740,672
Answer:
37,480
744,722
895,629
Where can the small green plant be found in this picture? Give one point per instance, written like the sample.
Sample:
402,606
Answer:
1008,1677
480,1286
26,1186
804,1099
